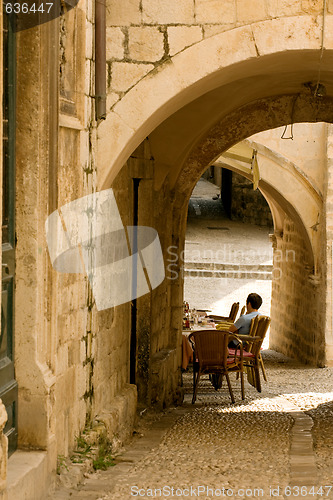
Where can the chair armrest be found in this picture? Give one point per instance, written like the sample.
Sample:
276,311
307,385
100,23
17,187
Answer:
249,338
234,336
220,318
224,325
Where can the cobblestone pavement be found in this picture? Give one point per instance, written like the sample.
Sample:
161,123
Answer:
211,236
268,446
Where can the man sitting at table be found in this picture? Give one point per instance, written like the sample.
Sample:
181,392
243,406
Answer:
242,325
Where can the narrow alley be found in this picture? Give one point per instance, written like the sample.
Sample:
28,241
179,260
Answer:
158,154
276,443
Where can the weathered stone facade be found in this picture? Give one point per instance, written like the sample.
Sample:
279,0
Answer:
297,301
240,200
246,205
158,342
186,80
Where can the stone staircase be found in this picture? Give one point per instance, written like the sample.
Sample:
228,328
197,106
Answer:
235,271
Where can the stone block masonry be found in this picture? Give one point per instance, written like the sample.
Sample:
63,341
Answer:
157,354
72,363
298,303
151,32
249,205
145,44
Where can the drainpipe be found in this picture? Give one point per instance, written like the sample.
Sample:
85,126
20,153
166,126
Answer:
100,60
134,310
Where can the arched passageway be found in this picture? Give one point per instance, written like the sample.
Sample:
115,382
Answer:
227,254
188,125
208,81
288,190
173,108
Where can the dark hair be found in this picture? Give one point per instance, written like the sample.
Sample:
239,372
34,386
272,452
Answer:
255,300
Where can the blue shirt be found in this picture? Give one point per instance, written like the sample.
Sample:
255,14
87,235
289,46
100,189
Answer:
244,322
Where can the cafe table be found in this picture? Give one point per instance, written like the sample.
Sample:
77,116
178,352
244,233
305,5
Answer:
186,345
187,350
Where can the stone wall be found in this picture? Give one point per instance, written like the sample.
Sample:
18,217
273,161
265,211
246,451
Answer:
298,305
142,35
248,205
113,398
92,384
54,166
158,337
329,245
71,373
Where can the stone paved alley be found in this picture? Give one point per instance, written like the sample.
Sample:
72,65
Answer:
253,445
268,446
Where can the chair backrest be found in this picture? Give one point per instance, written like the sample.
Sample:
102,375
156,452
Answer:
259,329
233,311
254,325
242,311
211,347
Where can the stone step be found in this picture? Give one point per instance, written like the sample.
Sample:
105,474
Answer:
229,266
228,270
211,273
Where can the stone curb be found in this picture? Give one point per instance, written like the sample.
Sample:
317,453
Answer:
303,468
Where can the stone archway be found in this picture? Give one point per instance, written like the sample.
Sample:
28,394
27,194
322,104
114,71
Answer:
160,314
218,75
299,291
299,267
260,115
190,114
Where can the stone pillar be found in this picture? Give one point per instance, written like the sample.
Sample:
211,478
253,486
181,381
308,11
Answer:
157,334
329,248
140,166
37,58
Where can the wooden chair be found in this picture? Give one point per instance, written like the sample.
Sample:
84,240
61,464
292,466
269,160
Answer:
242,311
252,349
211,356
232,315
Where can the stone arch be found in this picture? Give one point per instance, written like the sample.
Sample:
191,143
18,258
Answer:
273,57
255,117
297,218
298,224
280,179
191,109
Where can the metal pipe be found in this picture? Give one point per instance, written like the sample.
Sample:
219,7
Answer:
100,60
134,306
